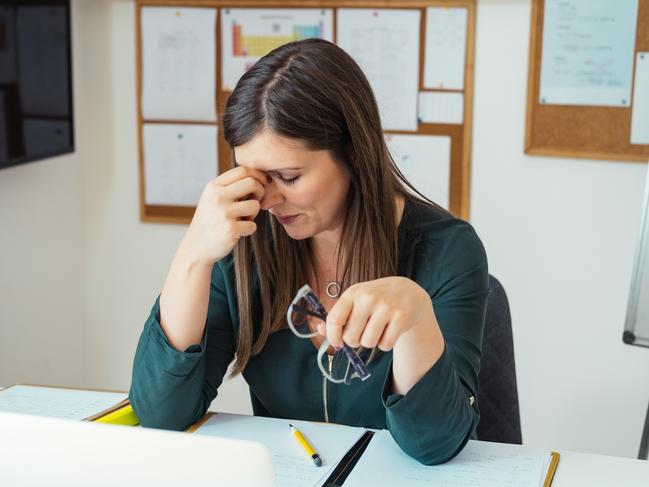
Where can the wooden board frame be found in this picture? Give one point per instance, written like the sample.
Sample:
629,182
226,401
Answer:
591,132
460,134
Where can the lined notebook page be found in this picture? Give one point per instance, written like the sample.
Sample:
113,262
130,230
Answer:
293,468
56,403
480,464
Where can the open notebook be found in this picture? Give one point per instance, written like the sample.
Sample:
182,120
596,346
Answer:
60,402
479,464
358,457
352,456
293,467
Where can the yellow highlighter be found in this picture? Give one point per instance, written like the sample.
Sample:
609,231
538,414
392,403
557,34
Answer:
306,447
124,416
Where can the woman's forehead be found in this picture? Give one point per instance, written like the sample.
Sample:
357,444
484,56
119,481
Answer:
270,152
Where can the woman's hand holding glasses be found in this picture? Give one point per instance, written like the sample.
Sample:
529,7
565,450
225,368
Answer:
367,315
377,313
393,313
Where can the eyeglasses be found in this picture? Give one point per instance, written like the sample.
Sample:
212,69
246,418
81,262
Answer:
351,365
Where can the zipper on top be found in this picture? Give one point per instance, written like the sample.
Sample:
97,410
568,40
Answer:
324,388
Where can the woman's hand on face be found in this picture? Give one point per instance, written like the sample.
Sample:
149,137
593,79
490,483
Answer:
225,213
376,313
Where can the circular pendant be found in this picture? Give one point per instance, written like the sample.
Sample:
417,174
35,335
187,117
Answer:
333,289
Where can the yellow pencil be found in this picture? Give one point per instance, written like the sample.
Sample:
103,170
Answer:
306,447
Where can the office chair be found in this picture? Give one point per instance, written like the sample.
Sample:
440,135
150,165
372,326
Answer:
497,394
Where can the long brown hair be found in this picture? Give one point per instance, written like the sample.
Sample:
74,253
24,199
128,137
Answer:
312,91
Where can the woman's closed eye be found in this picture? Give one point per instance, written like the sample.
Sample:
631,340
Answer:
287,181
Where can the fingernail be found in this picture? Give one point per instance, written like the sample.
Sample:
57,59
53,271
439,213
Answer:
338,349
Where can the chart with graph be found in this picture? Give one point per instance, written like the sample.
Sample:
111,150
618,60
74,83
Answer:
248,34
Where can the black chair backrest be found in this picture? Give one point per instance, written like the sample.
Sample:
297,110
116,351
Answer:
498,395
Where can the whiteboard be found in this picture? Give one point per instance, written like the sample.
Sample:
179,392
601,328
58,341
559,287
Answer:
636,326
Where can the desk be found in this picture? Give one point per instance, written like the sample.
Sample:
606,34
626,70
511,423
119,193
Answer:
587,470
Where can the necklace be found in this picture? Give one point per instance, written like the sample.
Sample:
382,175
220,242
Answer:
332,289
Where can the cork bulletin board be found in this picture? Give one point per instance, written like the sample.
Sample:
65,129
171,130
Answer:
593,132
459,133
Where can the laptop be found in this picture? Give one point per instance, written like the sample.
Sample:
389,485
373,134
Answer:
39,451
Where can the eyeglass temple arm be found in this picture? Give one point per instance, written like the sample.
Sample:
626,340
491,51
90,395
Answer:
300,309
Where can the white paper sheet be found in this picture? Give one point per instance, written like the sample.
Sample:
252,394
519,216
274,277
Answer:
250,33
445,50
57,403
640,113
588,48
385,43
480,464
425,160
441,107
179,160
178,63
293,468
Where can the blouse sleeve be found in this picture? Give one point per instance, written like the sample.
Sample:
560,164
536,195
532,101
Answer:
435,419
173,389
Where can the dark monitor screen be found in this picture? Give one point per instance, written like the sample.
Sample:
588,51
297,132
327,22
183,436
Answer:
35,81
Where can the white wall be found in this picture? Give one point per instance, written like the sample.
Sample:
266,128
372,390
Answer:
559,234
42,337
125,261
41,316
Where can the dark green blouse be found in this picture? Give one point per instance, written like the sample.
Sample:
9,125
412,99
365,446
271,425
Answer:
172,389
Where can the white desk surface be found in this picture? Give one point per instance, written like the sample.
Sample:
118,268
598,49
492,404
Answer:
587,470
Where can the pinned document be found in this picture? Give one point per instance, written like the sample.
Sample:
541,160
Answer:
425,160
587,52
178,63
640,113
179,160
250,33
385,44
441,107
445,48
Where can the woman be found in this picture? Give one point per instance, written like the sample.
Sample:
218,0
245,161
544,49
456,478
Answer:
314,198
